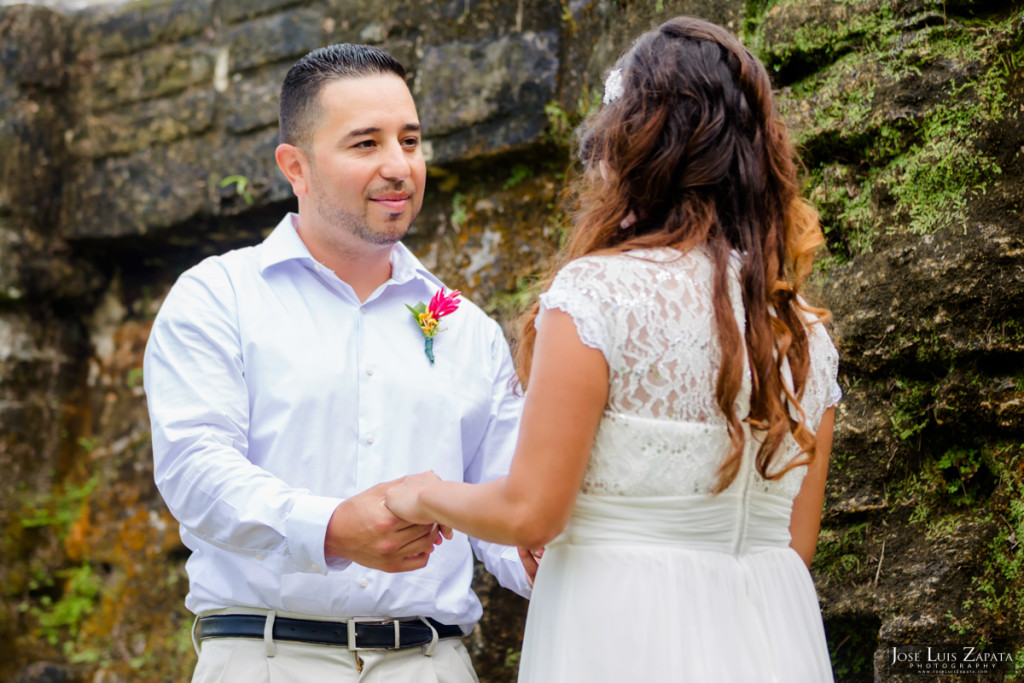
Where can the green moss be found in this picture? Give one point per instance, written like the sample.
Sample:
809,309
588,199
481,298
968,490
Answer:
911,171
81,589
59,509
562,124
839,553
459,211
911,406
855,25
518,174
943,490
933,181
509,305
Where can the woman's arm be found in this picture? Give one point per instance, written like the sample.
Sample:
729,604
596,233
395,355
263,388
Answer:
563,407
806,518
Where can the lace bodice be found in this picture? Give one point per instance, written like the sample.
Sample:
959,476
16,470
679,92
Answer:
650,314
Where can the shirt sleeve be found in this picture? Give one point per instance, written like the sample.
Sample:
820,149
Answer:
492,461
194,376
578,289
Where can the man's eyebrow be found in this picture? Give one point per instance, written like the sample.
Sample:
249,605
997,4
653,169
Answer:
359,132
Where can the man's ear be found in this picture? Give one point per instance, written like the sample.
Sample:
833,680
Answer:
293,163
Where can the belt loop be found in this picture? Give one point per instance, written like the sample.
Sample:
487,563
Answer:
195,635
398,634
268,633
428,650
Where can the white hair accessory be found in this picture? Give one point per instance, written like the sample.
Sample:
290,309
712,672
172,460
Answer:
613,86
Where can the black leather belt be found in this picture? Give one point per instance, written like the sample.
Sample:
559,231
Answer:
368,634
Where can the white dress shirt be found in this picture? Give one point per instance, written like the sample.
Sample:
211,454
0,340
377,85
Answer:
274,394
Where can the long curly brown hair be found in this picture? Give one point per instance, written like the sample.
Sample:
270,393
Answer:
695,152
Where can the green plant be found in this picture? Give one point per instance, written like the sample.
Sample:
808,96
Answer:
241,184
959,465
839,552
508,305
911,405
58,510
81,588
567,17
511,659
459,211
559,130
134,377
518,174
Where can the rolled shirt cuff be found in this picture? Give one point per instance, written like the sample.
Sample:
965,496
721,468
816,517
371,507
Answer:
307,530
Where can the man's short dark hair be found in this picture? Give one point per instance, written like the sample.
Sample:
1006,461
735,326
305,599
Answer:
299,107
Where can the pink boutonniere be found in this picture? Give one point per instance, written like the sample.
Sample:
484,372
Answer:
428,317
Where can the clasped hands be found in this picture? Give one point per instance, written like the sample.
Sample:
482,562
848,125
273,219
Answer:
403,499
385,528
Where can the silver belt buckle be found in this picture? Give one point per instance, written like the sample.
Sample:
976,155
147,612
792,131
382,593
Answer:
350,624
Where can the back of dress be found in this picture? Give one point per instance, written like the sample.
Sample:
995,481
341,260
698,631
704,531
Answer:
655,578
650,313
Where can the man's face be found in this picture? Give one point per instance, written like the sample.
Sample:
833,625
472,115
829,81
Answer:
366,168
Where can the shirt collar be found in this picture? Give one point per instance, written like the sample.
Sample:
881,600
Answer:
284,244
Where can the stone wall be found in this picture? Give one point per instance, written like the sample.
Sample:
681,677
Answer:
137,138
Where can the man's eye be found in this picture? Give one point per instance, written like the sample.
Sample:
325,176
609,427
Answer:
411,142
365,144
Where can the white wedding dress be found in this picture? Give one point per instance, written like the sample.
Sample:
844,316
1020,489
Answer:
655,579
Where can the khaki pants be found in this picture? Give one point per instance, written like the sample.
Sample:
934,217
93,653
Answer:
243,660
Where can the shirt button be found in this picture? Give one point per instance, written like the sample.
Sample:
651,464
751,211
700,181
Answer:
369,371
363,582
370,439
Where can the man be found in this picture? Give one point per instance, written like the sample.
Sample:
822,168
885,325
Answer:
289,387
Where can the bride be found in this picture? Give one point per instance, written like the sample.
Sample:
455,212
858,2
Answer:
677,424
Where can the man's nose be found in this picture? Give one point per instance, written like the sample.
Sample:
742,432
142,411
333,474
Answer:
395,165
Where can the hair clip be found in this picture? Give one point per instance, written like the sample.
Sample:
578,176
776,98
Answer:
613,86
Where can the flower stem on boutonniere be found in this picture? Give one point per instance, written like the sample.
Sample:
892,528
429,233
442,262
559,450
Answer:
429,316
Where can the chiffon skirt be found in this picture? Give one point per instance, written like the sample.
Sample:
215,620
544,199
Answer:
695,588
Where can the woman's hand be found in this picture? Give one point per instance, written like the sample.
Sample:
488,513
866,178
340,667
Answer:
531,562
403,499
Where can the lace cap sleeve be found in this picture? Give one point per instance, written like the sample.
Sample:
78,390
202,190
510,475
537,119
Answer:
825,357
579,289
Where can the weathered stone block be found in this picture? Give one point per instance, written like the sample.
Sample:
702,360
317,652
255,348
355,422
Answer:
30,157
11,243
887,305
33,45
145,75
251,157
275,37
250,102
130,195
137,126
121,29
445,21
232,12
161,187
493,92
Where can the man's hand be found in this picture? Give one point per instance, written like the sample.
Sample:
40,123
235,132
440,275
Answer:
531,562
363,530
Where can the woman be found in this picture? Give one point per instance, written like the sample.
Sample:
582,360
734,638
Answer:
677,424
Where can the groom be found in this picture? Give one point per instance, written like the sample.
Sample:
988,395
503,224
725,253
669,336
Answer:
289,387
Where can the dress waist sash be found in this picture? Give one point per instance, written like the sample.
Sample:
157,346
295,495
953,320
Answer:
733,523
